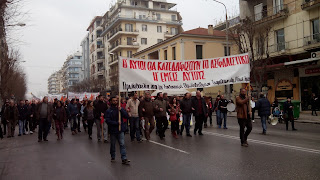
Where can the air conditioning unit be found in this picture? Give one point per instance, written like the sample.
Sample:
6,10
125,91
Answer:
134,39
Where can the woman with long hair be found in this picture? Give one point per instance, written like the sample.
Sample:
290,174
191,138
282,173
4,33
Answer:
88,116
174,111
60,118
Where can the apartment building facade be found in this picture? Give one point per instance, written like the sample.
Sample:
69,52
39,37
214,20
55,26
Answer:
199,43
86,57
293,46
132,25
53,86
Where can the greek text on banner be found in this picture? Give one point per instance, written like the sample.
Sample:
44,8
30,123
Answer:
141,74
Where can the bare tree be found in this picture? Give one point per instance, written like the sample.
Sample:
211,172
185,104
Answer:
92,85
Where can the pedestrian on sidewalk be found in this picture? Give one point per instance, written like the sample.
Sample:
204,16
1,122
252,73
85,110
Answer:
100,107
174,114
264,110
44,112
200,112
60,117
288,111
243,115
22,117
314,104
88,116
146,114
3,117
73,112
253,107
216,109
116,133
222,106
186,108
132,108
11,114
161,115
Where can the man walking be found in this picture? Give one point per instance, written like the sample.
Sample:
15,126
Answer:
100,107
11,114
314,104
243,115
160,114
133,110
288,111
222,106
3,117
186,107
116,133
44,112
146,113
32,121
22,117
264,111
200,112
73,112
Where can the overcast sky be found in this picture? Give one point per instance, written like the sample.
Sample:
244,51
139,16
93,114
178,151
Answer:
55,29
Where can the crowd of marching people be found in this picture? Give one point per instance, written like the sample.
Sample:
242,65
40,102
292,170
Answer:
137,115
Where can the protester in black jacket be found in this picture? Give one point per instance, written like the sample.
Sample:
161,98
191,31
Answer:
200,112
288,111
22,117
222,106
3,118
186,108
99,109
264,110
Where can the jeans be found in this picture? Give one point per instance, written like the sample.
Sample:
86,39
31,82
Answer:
73,121
22,124
120,138
44,126
218,116
199,123
264,123
162,125
186,123
223,116
105,131
244,123
135,128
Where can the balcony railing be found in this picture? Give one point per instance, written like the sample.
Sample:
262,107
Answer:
272,14
120,30
100,46
279,47
113,73
311,40
101,57
309,4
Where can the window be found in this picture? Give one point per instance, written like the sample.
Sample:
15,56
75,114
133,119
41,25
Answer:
142,16
165,55
280,40
144,27
174,53
134,3
225,51
199,51
173,17
129,28
144,41
159,40
158,16
163,6
277,6
174,31
159,29
260,45
129,41
129,54
315,29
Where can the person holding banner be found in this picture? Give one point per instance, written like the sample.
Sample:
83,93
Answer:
146,113
200,112
112,119
243,115
99,109
186,107
161,115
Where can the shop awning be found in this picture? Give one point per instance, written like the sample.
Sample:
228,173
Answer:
301,61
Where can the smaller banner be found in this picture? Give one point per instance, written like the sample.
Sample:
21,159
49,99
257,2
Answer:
89,95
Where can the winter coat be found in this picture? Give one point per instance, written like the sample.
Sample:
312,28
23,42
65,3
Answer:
195,105
148,105
223,103
73,109
49,111
112,119
186,106
99,107
263,106
7,114
242,107
61,115
286,108
160,104
22,112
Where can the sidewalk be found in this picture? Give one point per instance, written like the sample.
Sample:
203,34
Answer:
305,117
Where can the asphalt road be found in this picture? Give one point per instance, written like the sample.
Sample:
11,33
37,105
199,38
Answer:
280,154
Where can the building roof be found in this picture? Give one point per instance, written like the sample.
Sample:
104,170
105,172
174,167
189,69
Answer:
93,21
193,32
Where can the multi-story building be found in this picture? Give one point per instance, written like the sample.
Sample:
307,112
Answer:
131,26
72,71
53,86
86,57
199,43
293,37
96,50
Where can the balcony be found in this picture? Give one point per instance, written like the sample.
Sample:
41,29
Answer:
279,48
312,42
113,73
274,14
115,35
169,34
116,47
310,4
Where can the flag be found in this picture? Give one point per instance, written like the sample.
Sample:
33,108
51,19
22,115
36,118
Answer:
102,120
91,97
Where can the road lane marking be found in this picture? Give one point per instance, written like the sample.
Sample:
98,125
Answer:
169,147
267,143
